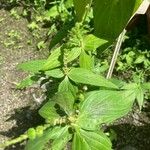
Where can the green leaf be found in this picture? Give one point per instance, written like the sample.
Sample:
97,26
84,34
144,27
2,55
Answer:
80,8
117,82
65,100
104,106
67,86
140,97
62,139
56,73
111,17
91,42
140,59
73,54
28,81
85,76
51,13
53,60
49,112
86,61
87,140
69,3
146,86
138,90
32,66
130,86
39,142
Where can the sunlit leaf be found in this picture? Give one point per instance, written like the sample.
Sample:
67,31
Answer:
65,100
49,112
104,106
86,61
55,134
146,86
91,42
73,54
85,76
140,97
32,66
67,86
88,140
62,139
56,73
53,60
28,81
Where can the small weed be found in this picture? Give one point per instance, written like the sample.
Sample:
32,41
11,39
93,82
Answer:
14,14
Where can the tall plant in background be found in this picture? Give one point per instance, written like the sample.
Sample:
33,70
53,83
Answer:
84,100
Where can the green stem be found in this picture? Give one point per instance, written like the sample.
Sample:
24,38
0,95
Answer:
20,138
87,9
14,141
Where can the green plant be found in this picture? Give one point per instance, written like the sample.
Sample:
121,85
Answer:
83,100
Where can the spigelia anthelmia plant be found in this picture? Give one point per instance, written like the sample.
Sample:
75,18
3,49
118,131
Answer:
85,100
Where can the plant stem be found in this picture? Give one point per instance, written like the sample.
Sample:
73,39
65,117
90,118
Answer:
115,54
87,9
14,141
20,138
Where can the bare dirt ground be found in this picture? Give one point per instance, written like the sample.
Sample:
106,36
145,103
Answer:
15,113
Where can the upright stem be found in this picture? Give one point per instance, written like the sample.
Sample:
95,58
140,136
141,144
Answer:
115,54
87,9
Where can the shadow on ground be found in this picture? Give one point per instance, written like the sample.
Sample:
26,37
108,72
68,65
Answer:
25,118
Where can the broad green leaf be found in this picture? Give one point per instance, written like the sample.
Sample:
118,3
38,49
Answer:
73,54
104,106
91,42
130,86
111,17
140,97
86,61
28,81
138,90
85,76
88,140
49,112
53,60
117,82
65,100
32,66
79,143
62,139
67,86
56,73
39,143
80,8
146,86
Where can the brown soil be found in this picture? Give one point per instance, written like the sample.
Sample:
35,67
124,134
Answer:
15,113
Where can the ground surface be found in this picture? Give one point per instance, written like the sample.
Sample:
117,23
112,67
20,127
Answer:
15,115
133,131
